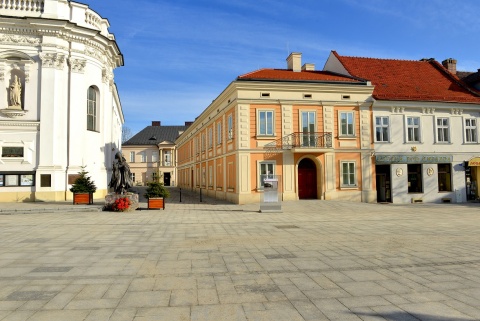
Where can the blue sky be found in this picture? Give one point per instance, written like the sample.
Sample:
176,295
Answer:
181,54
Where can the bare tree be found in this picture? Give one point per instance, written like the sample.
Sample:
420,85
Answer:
126,134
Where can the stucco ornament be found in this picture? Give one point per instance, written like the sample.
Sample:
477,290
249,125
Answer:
429,171
15,94
399,172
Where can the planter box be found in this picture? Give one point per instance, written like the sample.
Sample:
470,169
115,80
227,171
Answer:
82,198
156,203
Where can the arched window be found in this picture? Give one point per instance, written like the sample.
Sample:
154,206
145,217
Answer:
92,100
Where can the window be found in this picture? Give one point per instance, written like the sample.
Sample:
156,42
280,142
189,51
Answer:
413,129
307,124
348,174
92,109
133,177
45,180
444,178
266,170
210,137
17,179
471,130
219,133
265,125
168,157
203,142
230,127
347,126
442,130
415,178
381,129
12,151
132,157
144,156
210,176
155,156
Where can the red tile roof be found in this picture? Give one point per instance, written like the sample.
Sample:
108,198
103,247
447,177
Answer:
289,75
409,80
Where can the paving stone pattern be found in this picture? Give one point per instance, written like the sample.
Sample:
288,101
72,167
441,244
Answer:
317,260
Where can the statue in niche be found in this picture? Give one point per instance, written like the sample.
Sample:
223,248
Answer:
121,179
16,94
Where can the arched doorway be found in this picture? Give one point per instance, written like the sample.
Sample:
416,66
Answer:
307,179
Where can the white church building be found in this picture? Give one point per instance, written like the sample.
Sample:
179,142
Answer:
59,106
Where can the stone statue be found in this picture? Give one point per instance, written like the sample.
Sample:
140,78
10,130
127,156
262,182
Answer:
121,177
16,93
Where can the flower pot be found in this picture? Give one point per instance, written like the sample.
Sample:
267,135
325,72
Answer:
156,203
82,198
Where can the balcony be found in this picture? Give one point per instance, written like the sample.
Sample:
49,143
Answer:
302,142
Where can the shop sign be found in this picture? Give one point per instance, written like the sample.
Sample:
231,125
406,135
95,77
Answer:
474,161
414,159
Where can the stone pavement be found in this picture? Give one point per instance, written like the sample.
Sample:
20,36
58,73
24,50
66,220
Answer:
318,260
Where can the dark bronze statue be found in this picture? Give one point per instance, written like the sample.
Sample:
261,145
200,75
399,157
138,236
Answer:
121,177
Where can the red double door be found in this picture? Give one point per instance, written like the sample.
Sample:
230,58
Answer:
307,179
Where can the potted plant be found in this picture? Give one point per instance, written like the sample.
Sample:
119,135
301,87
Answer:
156,194
83,188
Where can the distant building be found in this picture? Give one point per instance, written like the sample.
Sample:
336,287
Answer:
152,153
310,128
425,128
59,106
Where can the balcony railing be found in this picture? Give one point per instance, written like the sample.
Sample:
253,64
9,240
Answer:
301,140
23,5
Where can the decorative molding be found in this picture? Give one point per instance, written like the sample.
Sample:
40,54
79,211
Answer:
77,65
4,123
107,76
457,111
428,110
13,113
19,39
398,110
52,60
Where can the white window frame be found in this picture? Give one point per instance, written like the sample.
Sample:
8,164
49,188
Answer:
210,137
155,156
259,171
219,133
132,157
230,126
340,128
203,142
471,131
92,109
167,155
265,122
442,128
144,156
382,126
350,179
413,127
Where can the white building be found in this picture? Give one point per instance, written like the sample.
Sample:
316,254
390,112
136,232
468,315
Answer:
425,125
59,106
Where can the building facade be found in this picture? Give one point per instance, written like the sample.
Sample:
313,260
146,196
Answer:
60,110
310,128
152,154
425,125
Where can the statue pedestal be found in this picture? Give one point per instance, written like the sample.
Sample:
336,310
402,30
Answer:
112,197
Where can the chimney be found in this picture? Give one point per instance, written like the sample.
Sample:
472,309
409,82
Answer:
294,61
451,65
309,67
188,123
156,123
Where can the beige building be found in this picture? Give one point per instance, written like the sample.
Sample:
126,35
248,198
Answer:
310,128
152,154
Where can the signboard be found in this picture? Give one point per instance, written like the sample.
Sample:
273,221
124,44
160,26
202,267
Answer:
413,159
474,161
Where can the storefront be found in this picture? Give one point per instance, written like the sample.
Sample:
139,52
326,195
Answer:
433,178
472,177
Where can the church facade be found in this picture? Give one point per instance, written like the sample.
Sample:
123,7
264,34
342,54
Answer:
59,107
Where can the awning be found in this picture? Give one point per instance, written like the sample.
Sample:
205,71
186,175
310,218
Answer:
474,161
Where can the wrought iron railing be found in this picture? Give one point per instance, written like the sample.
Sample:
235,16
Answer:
301,140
